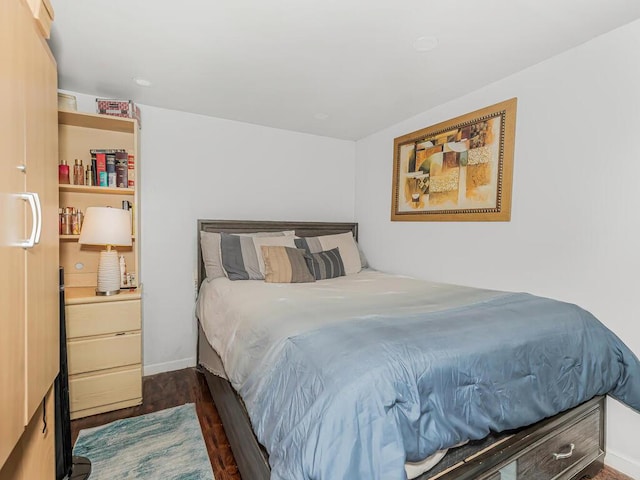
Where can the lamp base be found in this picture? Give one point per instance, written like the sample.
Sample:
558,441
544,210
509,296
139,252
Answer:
107,294
108,273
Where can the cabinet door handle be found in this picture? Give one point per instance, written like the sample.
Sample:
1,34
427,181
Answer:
39,222
563,455
31,198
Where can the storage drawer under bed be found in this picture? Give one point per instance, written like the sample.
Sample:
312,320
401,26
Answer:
576,446
564,447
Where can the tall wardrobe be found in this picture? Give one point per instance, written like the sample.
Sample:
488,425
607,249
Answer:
28,241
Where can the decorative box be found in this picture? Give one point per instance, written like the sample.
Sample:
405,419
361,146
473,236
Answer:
118,108
67,102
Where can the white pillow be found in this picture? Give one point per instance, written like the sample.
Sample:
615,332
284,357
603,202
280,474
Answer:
343,241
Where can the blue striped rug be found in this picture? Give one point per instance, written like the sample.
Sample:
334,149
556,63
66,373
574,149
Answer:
164,445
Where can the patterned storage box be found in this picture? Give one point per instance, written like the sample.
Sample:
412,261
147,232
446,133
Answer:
118,108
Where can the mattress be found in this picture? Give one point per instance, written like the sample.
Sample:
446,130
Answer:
353,377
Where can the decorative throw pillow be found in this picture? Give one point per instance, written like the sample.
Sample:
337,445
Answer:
327,264
242,257
210,246
258,243
285,265
344,241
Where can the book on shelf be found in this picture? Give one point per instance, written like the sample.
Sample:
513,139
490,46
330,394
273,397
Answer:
101,169
111,167
122,169
131,165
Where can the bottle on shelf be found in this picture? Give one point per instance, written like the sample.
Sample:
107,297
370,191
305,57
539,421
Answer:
79,220
78,173
75,228
66,221
89,175
63,172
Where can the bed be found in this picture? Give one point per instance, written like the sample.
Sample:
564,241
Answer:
567,444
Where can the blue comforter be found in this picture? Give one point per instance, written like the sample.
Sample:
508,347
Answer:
356,399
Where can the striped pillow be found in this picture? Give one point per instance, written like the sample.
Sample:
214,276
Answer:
285,265
242,256
327,264
344,241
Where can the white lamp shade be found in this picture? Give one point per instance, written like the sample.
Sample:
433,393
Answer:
106,226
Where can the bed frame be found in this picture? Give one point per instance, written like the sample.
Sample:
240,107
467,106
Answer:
567,446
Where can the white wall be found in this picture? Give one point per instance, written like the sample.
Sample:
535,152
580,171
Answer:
202,167
575,228
193,167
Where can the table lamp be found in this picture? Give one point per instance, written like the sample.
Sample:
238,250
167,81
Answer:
110,227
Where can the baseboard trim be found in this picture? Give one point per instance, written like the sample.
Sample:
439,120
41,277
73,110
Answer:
623,464
169,366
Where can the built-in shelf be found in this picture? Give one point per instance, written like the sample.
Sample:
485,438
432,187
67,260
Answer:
100,327
74,238
94,189
97,121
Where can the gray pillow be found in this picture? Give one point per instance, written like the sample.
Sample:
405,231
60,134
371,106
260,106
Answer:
242,256
324,265
239,257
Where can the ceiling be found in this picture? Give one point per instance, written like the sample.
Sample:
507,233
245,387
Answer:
338,68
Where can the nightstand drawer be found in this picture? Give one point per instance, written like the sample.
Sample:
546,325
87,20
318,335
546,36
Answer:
89,355
103,390
89,319
580,443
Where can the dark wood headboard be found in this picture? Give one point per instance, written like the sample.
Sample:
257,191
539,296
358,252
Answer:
302,229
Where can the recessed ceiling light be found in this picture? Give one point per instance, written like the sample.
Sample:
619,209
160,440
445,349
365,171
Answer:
143,82
321,116
425,44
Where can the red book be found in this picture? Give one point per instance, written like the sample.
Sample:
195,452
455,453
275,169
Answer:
101,169
131,164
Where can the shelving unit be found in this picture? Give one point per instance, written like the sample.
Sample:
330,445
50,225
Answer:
78,133
104,333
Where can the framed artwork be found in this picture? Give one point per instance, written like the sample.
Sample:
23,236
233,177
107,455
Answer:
458,170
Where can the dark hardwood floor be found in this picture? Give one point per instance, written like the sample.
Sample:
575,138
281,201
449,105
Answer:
171,389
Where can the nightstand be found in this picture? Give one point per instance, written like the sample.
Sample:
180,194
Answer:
104,345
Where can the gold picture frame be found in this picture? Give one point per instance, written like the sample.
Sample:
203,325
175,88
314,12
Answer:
458,170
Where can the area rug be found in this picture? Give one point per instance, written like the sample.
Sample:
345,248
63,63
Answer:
164,445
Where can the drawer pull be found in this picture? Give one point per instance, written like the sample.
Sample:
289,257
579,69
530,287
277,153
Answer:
119,334
562,456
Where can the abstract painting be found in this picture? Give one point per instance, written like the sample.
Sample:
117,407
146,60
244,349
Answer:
458,170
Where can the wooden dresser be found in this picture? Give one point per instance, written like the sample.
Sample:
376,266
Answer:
104,348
